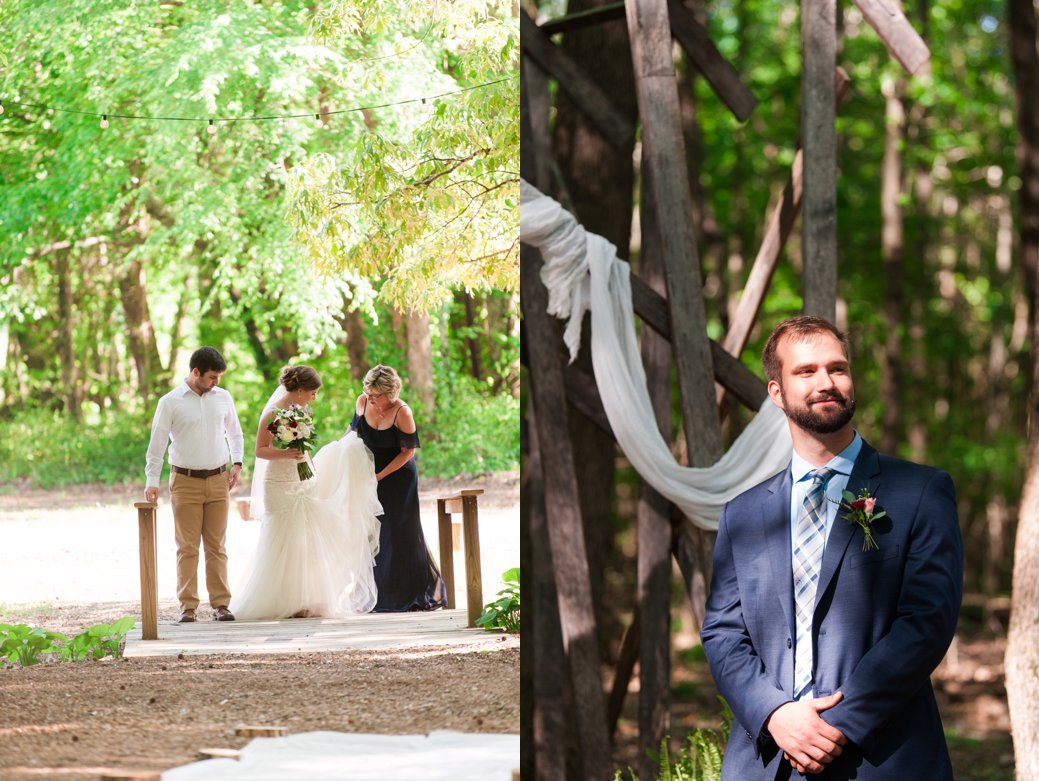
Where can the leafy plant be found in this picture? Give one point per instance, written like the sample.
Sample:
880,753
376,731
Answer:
24,645
698,759
97,641
504,612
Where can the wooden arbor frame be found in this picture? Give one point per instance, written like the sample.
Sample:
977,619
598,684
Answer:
559,601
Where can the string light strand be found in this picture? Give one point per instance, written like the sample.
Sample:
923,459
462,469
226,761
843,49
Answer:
255,118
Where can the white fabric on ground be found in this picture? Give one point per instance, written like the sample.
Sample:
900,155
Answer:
582,272
337,756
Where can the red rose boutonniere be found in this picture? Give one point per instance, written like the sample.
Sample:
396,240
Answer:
861,510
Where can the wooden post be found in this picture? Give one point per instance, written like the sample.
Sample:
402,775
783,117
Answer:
447,554
465,502
818,127
653,526
542,662
662,147
565,531
149,589
473,576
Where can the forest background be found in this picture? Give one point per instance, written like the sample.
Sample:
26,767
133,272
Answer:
373,220
935,303
936,242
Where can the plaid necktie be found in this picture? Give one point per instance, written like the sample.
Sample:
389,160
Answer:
807,559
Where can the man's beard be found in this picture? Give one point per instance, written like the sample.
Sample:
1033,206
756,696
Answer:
821,422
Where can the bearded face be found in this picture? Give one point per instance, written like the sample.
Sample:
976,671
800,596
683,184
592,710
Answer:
827,412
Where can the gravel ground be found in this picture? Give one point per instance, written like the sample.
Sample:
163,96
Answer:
69,560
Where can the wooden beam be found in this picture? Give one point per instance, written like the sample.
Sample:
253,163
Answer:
590,99
538,140
546,756
718,71
777,231
663,149
901,38
581,19
748,389
565,532
818,128
653,519
687,30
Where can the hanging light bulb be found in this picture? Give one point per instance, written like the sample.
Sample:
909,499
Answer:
424,108
1,107
104,121
318,122
212,128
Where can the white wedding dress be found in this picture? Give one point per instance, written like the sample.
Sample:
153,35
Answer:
318,537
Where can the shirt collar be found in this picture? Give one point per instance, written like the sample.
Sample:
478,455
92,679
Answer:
842,462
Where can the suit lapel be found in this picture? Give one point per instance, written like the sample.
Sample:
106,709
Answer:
775,518
866,472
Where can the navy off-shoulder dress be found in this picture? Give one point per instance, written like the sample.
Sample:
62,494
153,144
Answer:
406,576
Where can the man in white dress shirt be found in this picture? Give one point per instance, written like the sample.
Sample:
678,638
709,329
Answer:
198,421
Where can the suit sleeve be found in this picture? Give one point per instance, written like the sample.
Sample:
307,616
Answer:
894,669
738,671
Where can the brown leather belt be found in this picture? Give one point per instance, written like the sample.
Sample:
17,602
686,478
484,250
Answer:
199,472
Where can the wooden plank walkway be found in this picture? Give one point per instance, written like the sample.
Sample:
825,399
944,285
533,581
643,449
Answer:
373,631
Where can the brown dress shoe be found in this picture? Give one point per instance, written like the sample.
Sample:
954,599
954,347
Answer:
186,617
222,614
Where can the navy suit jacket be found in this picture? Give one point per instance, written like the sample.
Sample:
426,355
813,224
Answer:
883,621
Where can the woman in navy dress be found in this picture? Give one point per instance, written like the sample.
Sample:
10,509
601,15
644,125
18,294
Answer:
406,576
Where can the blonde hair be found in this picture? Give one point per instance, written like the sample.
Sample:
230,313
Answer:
384,380
296,377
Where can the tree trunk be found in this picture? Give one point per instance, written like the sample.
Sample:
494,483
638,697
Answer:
471,342
66,336
420,367
1022,657
892,250
356,345
140,335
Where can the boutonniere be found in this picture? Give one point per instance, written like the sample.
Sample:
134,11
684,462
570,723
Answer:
861,510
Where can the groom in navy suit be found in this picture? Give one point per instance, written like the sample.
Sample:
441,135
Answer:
823,644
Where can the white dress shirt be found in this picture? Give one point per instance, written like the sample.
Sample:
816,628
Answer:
202,431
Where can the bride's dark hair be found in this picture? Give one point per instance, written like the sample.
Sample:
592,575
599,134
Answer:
297,377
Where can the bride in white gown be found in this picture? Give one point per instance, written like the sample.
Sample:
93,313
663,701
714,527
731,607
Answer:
318,537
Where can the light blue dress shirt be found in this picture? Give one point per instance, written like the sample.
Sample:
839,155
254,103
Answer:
800,472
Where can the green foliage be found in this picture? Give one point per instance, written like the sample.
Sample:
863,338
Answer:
98,641
121,250
504,612
24,645
42,448
475,433
698,759
427,199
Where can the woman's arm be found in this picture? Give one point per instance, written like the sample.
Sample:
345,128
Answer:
264,449
405,421
358,411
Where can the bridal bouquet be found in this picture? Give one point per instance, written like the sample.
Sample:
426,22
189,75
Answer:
293,427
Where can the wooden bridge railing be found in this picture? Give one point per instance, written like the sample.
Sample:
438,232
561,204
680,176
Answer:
464,502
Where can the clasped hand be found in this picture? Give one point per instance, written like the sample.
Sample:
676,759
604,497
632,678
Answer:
808,742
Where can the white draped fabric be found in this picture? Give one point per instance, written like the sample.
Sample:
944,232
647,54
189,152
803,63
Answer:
582,272
337,756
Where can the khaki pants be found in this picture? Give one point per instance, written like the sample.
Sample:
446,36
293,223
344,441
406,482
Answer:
200,514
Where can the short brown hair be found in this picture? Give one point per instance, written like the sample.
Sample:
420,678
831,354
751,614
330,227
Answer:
800,329
384,380
297,377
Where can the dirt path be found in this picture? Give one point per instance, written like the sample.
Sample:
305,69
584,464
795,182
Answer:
69,559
